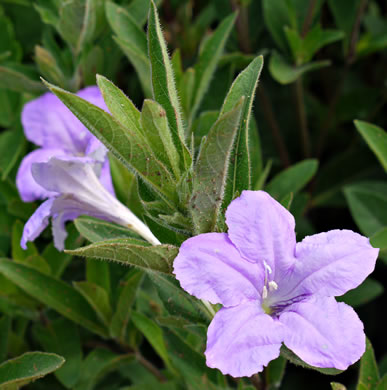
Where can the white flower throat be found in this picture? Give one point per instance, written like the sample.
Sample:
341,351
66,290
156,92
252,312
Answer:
268,287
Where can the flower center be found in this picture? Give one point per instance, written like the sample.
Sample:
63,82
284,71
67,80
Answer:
268,287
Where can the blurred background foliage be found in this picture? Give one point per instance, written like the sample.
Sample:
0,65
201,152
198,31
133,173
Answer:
318,146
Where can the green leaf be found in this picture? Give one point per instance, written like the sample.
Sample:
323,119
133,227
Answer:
286,73
379,239
240,168
177,302
366,292
154,120
376,139
62,337
305,48
132,252
163,82
98,363
382,384
19,78
293,358
337,386
79,22
120,105
211,170
18,253
344,13
139,9
368,205
193,362
209,57
292,179
153,334
10,102
53,293
186,87
98,272
8,42
96,230
12,145
276,15
123,310
5,328
132,40
123,143
369,372
48,66
27,368
139,61
98,299
275,372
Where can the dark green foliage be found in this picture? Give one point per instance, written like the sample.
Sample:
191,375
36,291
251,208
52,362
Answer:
193,122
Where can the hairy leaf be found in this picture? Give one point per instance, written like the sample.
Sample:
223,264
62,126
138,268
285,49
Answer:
132,252
123,142
212,169
27,368
240,167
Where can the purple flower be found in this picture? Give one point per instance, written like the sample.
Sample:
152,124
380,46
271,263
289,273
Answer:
274,290
71,169
48,123
78,192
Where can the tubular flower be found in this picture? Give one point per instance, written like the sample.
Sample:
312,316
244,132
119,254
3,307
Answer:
274,290
71,169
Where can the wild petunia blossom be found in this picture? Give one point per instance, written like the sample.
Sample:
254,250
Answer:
274,290
71,169
48,123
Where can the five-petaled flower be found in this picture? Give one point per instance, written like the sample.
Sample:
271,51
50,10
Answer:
274,290
71,169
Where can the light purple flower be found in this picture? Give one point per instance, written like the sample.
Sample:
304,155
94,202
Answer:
48,123
78,192
274,290
71,169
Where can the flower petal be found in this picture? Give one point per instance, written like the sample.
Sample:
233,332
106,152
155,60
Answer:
28,188
68,175
242,340
49,123
262,230
106,178
209,267
69,210
37,222
332,263
324,333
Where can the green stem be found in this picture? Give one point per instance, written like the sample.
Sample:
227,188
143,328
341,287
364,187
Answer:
257,382
150,367
351,56
308,18
242,26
